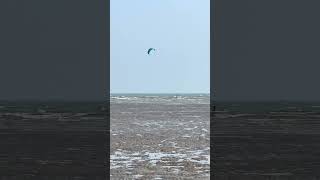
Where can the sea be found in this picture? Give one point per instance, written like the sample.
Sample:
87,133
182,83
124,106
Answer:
161,98
266,140
160,136
53,140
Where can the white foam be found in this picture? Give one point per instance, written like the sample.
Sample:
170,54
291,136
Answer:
205,130
137,176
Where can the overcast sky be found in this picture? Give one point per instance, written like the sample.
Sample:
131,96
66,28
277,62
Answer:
179,30
267,50
53,50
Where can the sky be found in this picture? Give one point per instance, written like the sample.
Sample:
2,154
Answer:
53,50
266,50
179,30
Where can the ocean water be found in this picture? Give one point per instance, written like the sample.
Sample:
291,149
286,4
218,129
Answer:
47,140
161,98
267,107
266,140
160,136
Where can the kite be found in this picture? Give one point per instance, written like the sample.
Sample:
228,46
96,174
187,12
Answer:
150,49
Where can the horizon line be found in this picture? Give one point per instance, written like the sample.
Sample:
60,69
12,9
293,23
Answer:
161,93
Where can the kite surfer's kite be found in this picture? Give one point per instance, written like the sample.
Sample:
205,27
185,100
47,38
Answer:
150,49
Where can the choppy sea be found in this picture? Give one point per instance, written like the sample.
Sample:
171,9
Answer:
161,98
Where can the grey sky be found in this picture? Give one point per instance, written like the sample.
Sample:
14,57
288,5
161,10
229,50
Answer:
267,50
179,30
53,50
